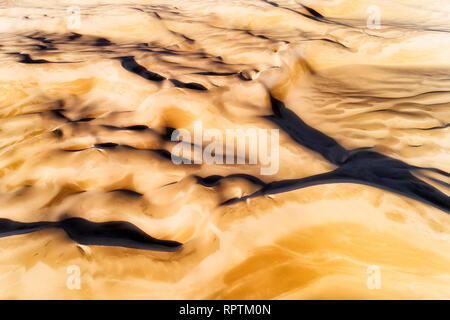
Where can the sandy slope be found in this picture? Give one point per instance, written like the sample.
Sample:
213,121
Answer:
387,89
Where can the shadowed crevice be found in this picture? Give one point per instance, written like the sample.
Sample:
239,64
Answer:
130,64
82,231
361,166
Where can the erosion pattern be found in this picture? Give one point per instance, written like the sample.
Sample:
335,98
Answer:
86,174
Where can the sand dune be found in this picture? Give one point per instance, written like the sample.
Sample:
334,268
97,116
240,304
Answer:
86,176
